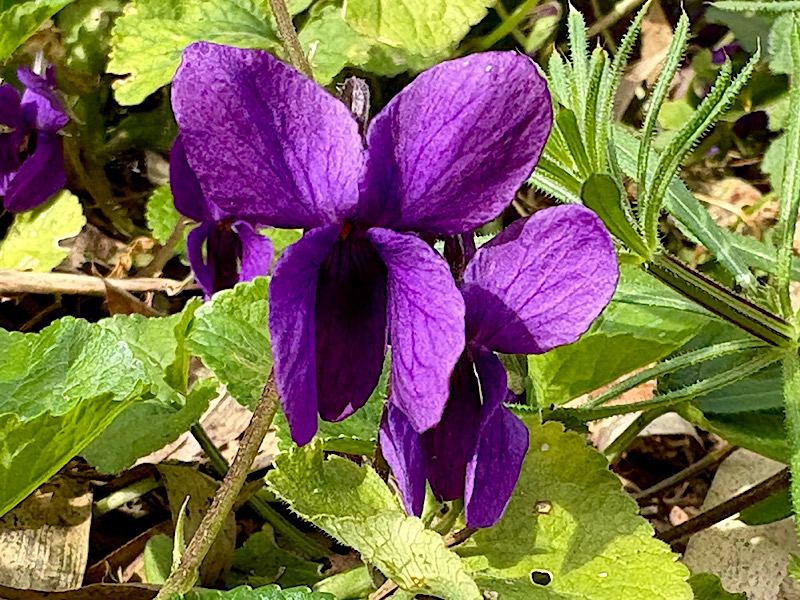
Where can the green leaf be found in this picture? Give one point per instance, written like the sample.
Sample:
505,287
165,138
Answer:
350,585
152,422
708,587
578,48
260,561
59,389
157,558
270,592
149,37
19,19
758,5
161,218
230,336
282,238
31,243
780,44
692,217
601,194
421,27
85,27
774,508
570,527
645,322
352,504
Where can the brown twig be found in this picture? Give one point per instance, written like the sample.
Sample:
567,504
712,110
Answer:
620,10
709,460
289,38
26,282
182,579
706,519
156,265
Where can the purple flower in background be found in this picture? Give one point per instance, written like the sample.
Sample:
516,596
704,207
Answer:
31,148
537,285
444,156
234,250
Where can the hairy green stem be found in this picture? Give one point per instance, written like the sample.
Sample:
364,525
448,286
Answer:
507,26
288,34
182,579
670,366
301,542
791,403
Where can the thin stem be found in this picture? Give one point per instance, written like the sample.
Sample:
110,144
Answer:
288,34
620,10
791,407
182,579
704,520
631,432
670,366
708,461
507,26
27,282
301,542
676,397
156,265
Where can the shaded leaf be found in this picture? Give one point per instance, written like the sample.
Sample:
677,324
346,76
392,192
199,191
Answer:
19,19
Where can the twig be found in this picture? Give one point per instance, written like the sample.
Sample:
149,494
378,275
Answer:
156,265
620,10
706,519
26,282
708,461
182,579
301,542
291,42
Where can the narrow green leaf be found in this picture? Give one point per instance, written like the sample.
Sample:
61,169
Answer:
674,54
591,124
791,398
352,503
711,108
157,559
570,531
578,51
692,217
568,126
550,178
601,194
758,5
559,79
790,182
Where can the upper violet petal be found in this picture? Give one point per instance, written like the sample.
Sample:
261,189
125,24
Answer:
449,445
41,106
448,152
201,263
39,177
186,193
351,326
292,327
12,129
266,142
426,325
257,251
541,284
502,443
402,449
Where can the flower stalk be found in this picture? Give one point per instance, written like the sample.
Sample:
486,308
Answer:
288,34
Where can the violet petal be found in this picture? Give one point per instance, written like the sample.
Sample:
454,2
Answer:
39,177
448,152
13,123
402,449
266,142
350,326
186,193
541,284
40,103
257,251
426,325
449,446
292,327
202,265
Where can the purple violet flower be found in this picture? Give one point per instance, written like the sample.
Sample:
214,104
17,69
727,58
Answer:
537,285
31,148
444,156
234,250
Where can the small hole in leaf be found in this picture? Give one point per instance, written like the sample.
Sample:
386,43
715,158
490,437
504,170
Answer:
541,577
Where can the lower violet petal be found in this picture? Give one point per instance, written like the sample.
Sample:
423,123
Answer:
449,446
350,326
203,271
40,176
401,447
426,325
292,327
257,251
